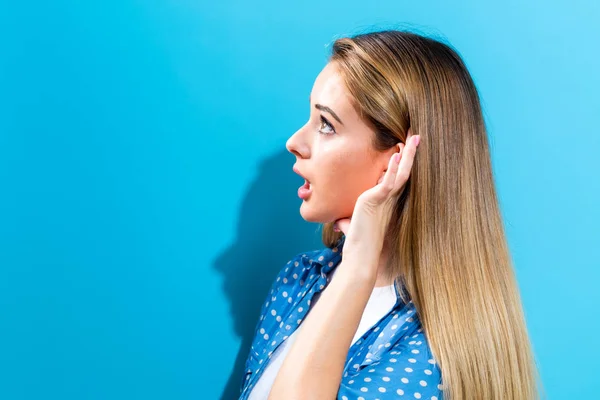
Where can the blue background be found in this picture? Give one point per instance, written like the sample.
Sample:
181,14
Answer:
144,180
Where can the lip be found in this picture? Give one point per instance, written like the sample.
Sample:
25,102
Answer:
296,170
305,190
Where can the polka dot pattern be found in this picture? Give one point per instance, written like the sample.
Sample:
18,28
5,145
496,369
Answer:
392,360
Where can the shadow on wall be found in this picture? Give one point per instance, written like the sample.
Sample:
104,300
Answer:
269,233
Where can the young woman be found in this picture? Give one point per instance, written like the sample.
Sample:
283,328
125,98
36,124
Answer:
414,295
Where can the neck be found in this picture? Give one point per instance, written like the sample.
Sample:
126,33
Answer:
382,279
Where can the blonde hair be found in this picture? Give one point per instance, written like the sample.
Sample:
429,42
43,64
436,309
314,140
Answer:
447,242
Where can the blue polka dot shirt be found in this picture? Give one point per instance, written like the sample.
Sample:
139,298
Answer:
392,360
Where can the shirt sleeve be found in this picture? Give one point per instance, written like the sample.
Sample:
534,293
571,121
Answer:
396,376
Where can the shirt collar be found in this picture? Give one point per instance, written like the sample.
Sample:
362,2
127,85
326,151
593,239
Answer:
327,259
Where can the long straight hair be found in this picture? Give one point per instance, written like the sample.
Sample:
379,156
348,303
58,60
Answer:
446,237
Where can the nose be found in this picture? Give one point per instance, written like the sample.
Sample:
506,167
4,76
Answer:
289,145
296,145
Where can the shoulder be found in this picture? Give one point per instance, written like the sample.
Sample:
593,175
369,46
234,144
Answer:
291,278
306,265
295,269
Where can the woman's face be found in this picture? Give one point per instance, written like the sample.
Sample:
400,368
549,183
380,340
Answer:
335,156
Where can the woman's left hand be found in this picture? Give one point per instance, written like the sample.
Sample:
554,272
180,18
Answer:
366,229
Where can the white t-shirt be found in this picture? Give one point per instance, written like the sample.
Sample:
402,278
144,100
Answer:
380,303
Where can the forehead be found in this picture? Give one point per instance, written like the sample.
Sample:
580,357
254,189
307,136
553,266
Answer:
329,89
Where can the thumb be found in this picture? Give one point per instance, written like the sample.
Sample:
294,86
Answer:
343,225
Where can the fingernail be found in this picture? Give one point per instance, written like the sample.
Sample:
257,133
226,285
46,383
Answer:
417,140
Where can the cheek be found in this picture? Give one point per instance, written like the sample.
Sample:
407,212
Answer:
341,173
349,176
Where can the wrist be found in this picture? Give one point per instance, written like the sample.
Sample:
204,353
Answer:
357,271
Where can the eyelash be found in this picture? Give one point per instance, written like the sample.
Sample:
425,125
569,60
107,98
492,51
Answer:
325,121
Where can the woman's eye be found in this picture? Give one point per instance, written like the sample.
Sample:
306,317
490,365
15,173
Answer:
325,122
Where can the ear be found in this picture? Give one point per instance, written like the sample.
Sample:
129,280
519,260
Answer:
389,153
396,149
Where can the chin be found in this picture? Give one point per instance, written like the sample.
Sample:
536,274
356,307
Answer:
309,214
313,214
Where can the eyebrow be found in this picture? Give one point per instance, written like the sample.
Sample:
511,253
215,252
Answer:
326,109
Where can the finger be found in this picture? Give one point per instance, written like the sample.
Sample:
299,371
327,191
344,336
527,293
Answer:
387,183
400,147
408,156
342,225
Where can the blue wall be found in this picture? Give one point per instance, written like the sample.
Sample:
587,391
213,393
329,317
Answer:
144,179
